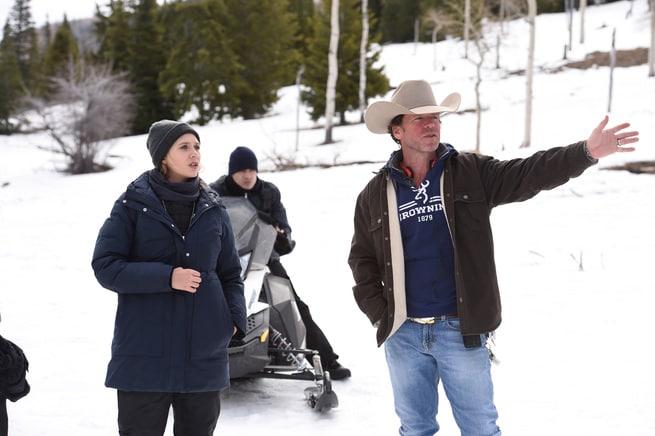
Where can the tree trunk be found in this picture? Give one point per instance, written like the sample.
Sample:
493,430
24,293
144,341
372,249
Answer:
527,133
583,8
612,65
467,26
651,51
478,105
333,71
434,47
362,61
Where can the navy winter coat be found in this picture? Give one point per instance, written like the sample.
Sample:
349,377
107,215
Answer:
167,340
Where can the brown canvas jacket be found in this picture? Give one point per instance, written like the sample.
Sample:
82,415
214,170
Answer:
471,186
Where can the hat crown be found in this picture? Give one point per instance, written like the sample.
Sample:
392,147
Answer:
242,158
410,97
414,93
162,135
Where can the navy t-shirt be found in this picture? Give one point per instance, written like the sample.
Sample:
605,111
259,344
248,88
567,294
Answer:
427,245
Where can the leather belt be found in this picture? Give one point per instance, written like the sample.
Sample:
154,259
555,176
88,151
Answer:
433,319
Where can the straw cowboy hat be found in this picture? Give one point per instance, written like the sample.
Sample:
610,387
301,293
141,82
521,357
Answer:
410,98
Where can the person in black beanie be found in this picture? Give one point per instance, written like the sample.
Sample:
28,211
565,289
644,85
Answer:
242,181
168,251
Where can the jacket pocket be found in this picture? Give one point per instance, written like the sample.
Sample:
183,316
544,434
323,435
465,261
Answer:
138,328
212,323
375,233
471,208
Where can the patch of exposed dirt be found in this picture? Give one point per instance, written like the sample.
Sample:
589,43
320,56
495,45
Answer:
624,58
643,167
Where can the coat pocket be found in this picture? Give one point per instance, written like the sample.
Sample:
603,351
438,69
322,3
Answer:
471,207
212,323
138,329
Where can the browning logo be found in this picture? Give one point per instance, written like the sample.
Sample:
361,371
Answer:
424,206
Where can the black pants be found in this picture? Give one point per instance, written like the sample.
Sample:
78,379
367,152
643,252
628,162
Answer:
316,339
146,413
4,419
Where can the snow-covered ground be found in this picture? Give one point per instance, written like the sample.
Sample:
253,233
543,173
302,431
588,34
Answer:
574,263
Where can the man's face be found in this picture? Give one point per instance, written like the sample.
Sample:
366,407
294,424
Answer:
246,179
420,133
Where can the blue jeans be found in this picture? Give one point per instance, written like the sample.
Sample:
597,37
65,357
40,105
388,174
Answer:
418,356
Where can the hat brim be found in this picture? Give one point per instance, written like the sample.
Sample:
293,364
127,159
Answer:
378,116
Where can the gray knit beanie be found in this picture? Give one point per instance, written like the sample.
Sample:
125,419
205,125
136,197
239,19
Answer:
162,135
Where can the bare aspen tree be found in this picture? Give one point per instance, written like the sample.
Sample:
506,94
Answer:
362,61
527,132
475,14
456,15
481,49
301,71
651,50
432,17
509,10
629,13
569,9
583,9
568,12
612,64
501,15
467,27
416,29
333,71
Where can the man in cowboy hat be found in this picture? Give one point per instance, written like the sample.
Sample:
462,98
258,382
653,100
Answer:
422,253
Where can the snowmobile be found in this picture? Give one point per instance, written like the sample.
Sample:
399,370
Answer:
274,345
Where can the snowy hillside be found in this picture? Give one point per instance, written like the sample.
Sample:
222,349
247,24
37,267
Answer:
574,263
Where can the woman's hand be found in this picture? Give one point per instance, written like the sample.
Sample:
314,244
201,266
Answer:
184,279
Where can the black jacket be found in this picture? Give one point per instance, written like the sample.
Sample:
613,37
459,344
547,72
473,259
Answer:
473,185
13,369
266,198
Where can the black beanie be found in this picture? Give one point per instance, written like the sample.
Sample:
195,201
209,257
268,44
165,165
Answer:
242,158
162,135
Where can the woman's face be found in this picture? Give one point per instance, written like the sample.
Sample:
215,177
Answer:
182,162
246,179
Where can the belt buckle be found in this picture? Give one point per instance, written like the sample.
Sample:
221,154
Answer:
427,320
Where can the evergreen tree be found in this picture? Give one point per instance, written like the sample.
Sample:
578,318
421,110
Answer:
315,78
113,33
10,83
398,18
375,8
47,34
202,70
146,59
61,51
303,10
25,43
262,34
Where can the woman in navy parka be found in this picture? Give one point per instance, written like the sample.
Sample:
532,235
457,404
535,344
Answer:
168,251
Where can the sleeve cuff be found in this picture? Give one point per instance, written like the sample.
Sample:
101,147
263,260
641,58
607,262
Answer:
586,152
